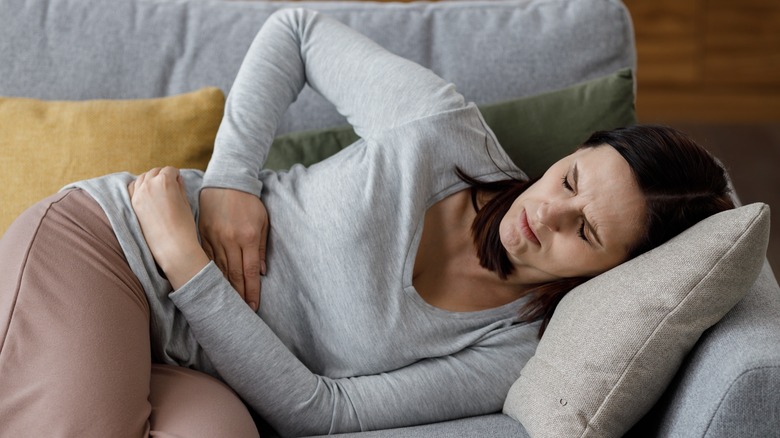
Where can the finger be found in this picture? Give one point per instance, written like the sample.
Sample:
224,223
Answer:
137,188
262,247
146,176
170,173
251,259
170,170
220,259
174,174
139,180
182,188
207,248
235,269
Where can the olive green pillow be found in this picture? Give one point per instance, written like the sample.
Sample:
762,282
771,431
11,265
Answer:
535,131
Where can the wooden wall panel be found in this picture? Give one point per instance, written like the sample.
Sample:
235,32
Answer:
707,60
742,43
667,36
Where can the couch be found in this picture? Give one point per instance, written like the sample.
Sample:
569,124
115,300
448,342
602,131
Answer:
729,384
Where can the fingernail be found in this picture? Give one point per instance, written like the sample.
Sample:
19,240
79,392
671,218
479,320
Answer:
253,305
262,267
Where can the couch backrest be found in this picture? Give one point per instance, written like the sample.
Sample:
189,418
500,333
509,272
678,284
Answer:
84,49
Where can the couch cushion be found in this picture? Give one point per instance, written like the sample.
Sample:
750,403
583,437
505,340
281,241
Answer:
614,343
492,51
483,426
47,144
535,131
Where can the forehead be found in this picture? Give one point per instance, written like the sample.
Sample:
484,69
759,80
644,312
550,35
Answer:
613,202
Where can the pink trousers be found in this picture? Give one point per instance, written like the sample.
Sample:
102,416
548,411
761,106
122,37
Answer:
74,339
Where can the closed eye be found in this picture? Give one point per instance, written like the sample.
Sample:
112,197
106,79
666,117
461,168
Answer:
567,186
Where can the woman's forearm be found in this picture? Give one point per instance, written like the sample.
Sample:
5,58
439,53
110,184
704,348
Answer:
255,363
297,402
184,264
160,204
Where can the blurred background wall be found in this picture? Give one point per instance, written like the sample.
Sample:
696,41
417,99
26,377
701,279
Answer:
712,69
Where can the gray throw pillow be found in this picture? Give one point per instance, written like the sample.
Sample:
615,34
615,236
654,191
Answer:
615,342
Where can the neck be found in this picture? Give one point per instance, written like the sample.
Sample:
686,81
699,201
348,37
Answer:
489,277
447,273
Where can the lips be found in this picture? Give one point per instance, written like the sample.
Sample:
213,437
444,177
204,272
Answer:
526,230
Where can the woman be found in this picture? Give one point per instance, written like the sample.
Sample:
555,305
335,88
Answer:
408,277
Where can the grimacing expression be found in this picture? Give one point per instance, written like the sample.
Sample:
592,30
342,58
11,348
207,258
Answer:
580,219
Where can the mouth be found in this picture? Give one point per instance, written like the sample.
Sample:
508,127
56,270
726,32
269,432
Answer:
526,230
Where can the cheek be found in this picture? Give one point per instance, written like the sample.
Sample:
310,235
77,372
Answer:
506,230
590,263
506,233
569,254
571,258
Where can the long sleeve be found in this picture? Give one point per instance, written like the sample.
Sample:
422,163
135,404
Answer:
372,88
296,402
335,223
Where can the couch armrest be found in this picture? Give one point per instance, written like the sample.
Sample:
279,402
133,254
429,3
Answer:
729,384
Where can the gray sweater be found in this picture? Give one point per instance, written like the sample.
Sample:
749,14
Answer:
342,341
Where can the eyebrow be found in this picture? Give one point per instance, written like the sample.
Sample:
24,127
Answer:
575,177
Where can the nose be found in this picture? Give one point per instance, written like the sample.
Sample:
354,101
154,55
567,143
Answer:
558,215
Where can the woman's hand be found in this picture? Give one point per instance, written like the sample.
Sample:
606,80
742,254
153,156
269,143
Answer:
161,205
234,232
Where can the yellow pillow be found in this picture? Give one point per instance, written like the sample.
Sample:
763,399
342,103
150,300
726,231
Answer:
47,144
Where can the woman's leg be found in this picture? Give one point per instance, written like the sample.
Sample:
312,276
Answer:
74,326
74,339
187,403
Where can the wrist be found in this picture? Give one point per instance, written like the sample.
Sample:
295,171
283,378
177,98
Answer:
183,263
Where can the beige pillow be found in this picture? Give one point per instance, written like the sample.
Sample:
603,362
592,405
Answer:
47,144
614,343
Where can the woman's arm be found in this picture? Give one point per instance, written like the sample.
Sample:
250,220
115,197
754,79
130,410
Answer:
254,362
160,204
371,87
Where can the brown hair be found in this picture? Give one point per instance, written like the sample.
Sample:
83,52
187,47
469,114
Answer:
681,183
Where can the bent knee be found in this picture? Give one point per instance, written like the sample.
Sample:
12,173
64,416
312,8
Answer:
193,404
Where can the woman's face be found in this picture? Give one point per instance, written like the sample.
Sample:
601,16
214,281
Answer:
580,219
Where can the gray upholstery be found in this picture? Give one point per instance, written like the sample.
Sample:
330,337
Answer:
729,385
80,49
496,425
